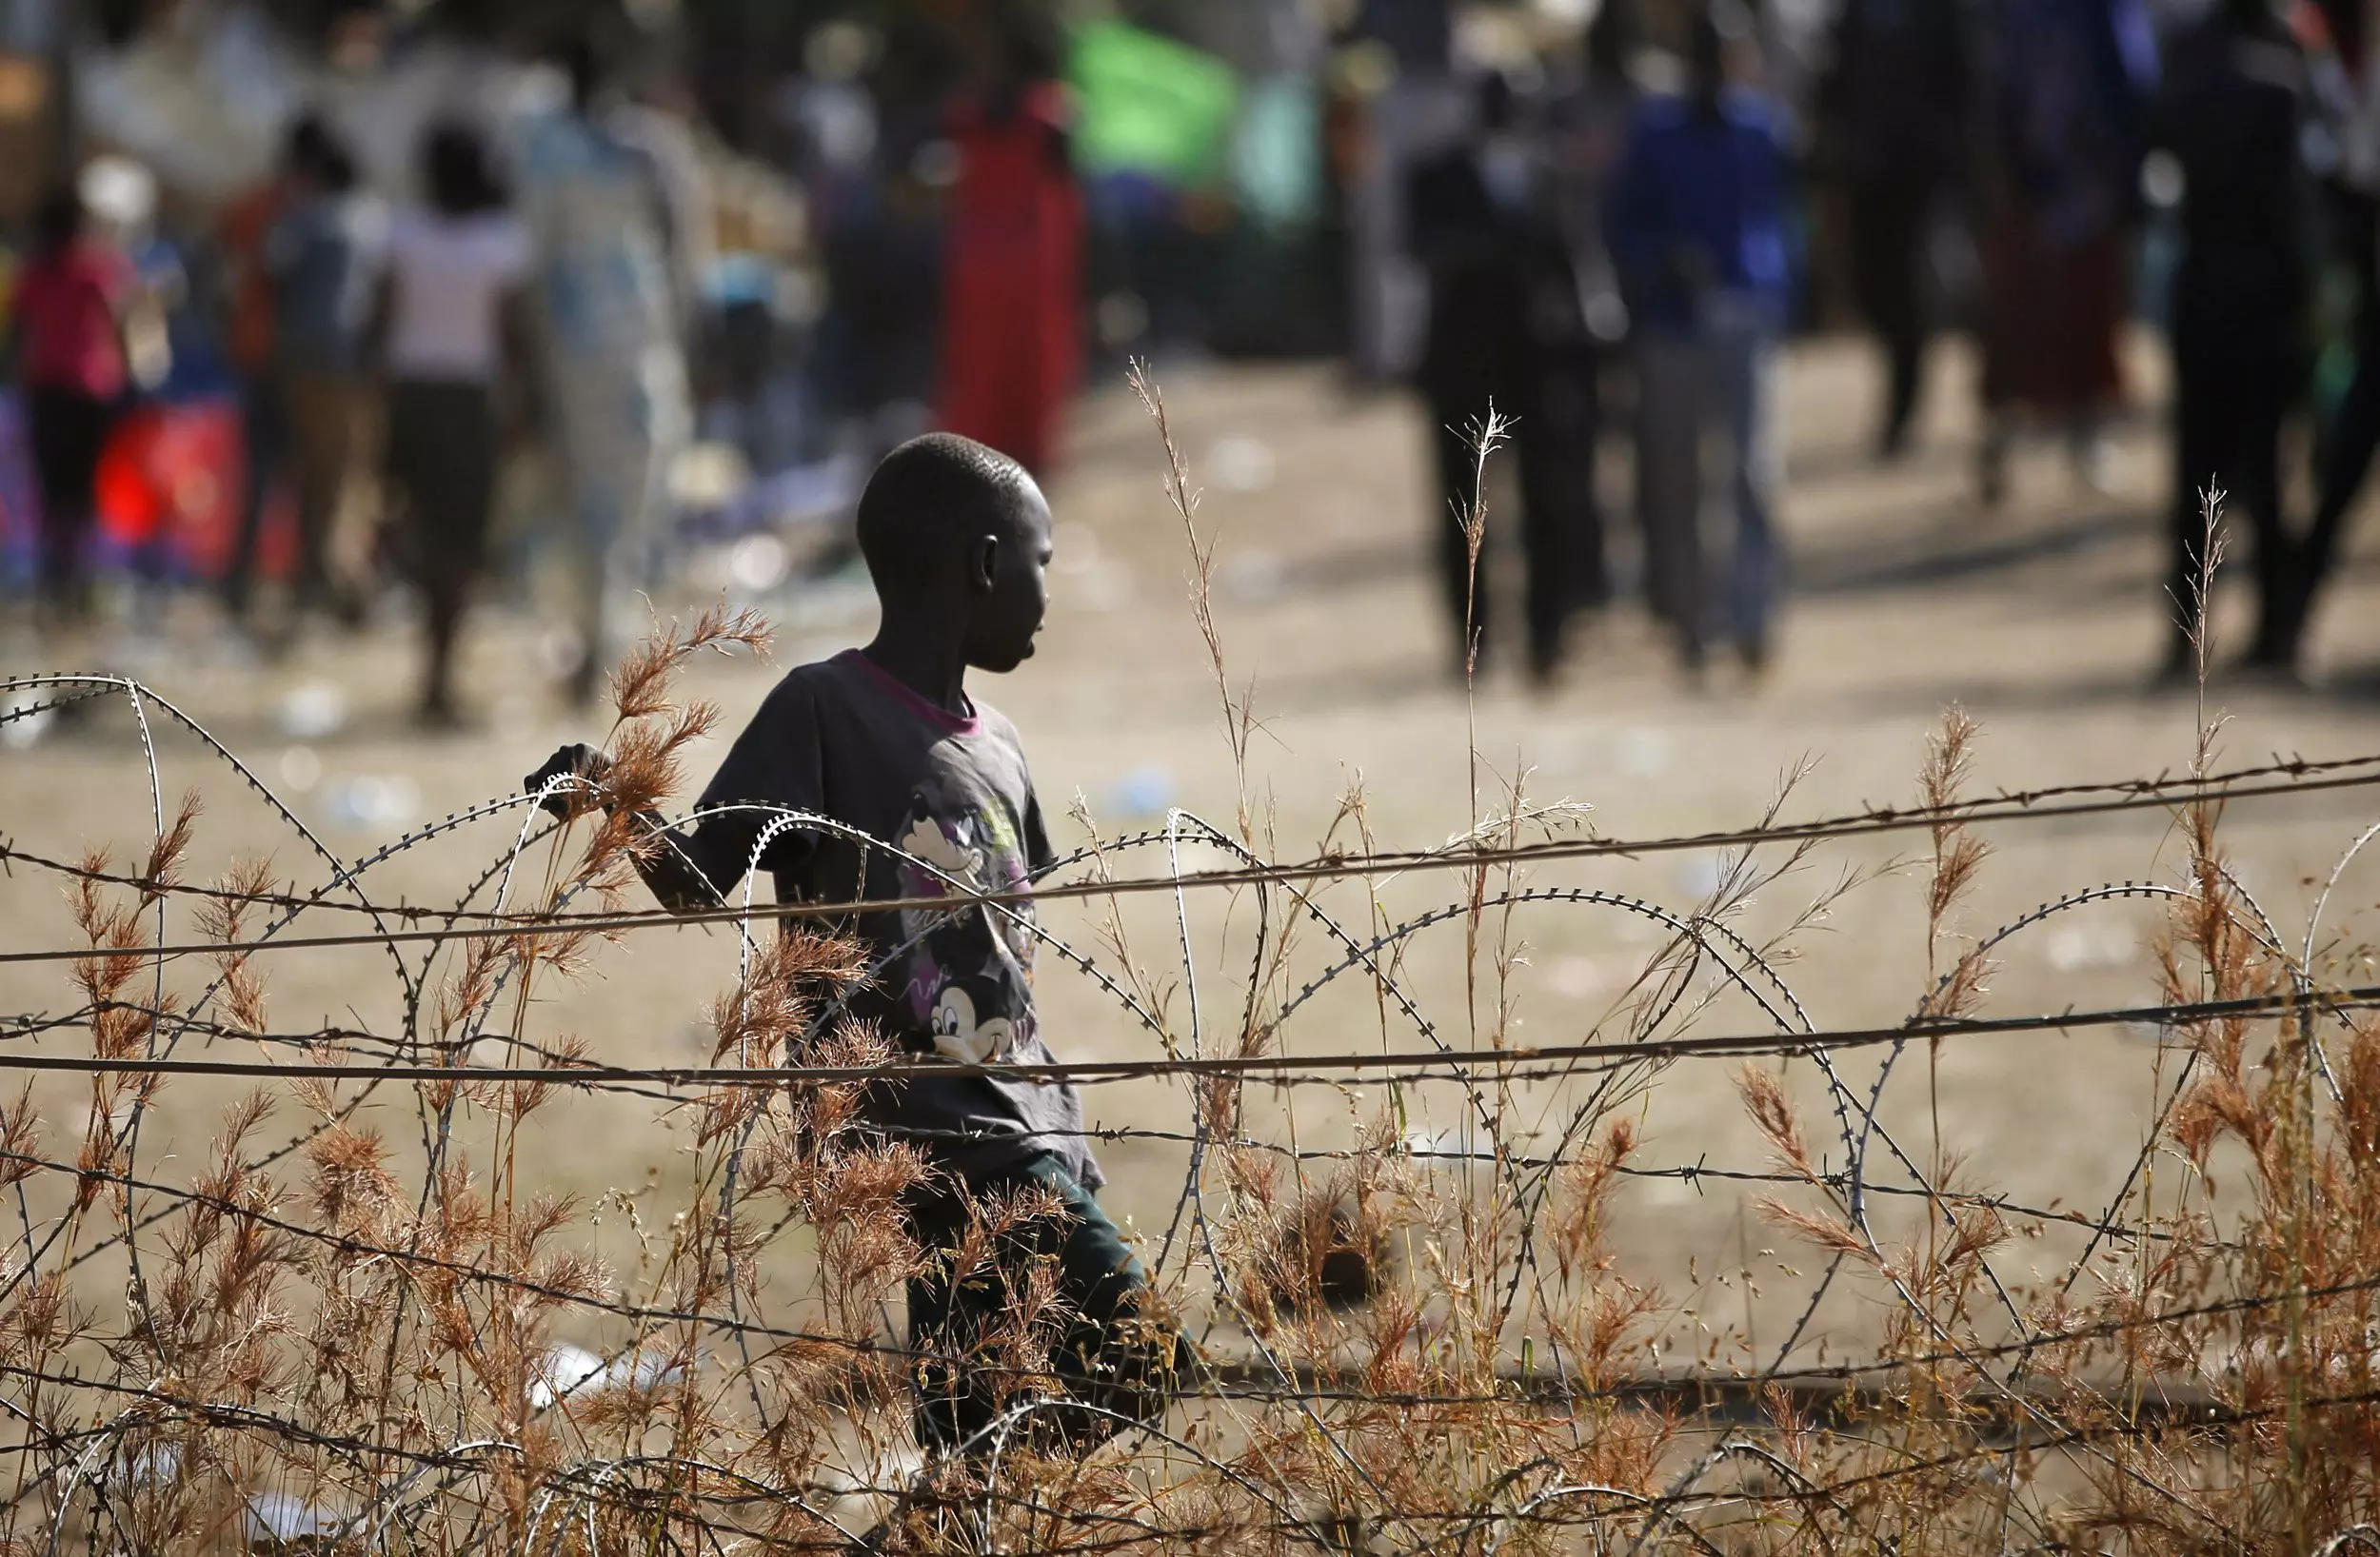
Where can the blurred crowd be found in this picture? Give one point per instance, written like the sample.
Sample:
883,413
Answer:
1647,218
584,298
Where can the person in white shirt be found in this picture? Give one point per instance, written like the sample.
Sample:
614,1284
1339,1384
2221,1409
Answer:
455,268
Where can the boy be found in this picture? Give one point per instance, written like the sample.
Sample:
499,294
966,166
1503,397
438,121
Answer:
886,740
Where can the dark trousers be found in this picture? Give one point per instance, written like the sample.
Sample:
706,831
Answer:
2354,431
70,433
264,432
442,471
2231,395
975,1330
1558,520
1887,225
1569,412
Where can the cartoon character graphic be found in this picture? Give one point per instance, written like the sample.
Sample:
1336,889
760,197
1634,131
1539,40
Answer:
968,970
953,855
963,1034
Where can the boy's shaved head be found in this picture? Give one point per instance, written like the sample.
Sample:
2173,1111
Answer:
932,496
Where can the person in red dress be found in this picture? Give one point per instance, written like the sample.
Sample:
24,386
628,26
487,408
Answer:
72,365
1012,333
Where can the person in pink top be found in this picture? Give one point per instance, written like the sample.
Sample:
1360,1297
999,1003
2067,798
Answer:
72,366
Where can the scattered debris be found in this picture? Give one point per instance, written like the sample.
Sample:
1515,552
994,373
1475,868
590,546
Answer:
567,1370
2078,948
1701,875
1253,578
369,801
301,769
1145,791
312,710
1241,464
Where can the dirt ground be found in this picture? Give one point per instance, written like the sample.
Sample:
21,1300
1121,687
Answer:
2044,620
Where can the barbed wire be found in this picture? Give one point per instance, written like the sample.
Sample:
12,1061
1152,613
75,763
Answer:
1257,1371
2020,806
1511,1063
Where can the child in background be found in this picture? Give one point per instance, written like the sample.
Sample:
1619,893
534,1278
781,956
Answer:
887,741
456,265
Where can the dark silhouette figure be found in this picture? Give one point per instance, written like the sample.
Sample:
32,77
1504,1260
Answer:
2342,453
1586,136
2231,112
1894,123
1504,316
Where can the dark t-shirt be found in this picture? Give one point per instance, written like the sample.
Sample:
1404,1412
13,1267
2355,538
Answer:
843,740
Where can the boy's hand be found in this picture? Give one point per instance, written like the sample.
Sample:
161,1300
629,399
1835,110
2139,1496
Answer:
577,759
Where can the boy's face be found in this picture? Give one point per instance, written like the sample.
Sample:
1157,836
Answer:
1014,594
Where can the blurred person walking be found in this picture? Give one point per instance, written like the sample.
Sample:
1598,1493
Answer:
322,257
1398,67
1586,135
456,265
2066,87
2233,112
2343,454
72,303
1505,318
1012,286
612,338
1894,133
249,309
1695,225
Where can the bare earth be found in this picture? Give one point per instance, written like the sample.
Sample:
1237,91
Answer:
2043,619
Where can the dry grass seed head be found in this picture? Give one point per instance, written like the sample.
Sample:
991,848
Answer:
642,684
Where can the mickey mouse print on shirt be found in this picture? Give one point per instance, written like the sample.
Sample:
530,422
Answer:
967,973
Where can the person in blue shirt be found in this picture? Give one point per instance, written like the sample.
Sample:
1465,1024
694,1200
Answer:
1696,231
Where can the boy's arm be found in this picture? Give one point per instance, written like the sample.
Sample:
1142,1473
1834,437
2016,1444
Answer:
775,766
686,872
1039,855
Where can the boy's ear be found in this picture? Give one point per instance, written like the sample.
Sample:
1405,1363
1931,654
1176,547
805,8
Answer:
984,563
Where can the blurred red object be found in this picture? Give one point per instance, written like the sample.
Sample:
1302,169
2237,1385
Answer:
175,477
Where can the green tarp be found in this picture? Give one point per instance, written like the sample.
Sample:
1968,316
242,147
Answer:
1149,104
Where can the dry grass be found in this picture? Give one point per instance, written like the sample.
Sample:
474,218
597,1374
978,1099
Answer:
1412,1344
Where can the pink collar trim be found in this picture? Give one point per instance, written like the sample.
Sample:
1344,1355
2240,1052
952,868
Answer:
907,697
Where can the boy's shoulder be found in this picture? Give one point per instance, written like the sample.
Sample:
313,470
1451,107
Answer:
798,688
850,678
814,673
